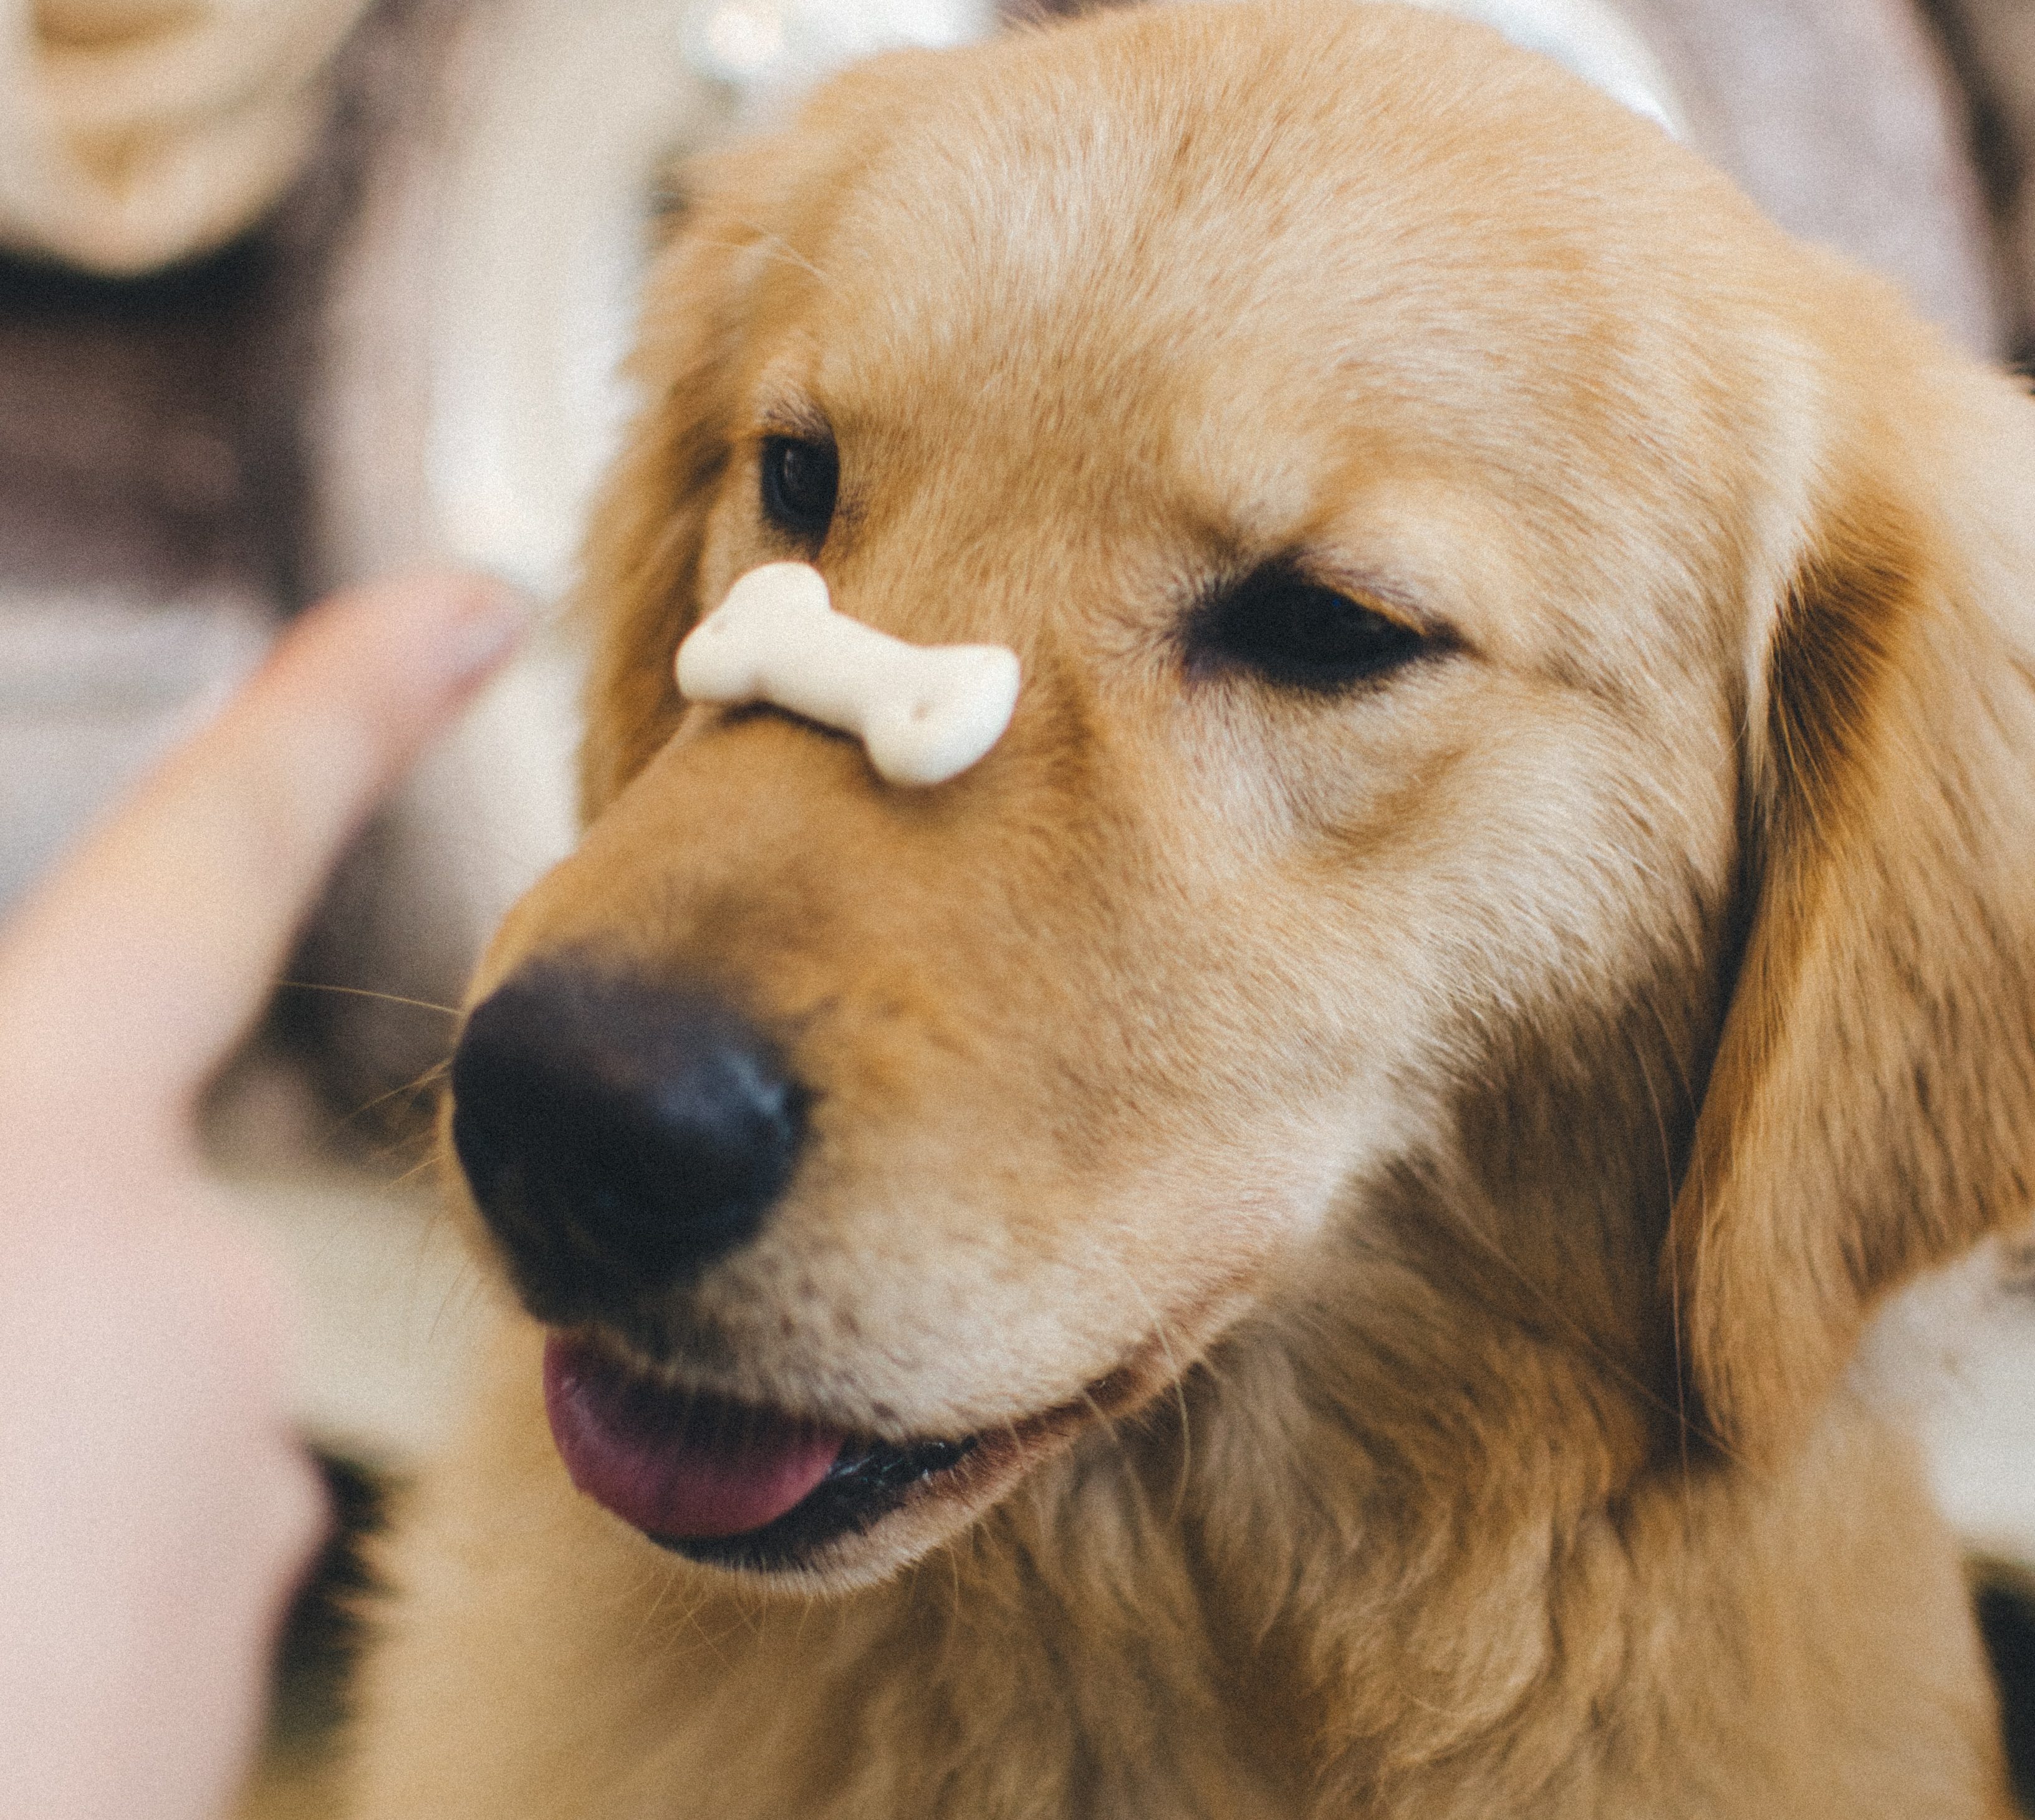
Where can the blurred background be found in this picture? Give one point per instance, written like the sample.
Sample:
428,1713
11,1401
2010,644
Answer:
293,291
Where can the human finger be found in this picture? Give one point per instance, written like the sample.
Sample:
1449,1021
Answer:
155,1510
136,965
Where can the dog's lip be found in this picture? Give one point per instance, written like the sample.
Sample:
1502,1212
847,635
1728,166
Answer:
740,1486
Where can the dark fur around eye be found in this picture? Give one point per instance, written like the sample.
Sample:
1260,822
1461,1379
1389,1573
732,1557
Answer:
800,480
1299,635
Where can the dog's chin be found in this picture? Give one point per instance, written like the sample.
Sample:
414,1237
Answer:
768,1497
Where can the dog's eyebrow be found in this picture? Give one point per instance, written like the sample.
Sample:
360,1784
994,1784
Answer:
797,418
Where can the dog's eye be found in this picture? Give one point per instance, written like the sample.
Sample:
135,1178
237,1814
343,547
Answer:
1300,634
800,480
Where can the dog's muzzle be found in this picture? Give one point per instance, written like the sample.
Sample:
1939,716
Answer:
618,1136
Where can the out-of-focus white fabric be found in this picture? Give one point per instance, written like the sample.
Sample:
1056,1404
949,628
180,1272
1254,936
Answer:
1592,38
136,132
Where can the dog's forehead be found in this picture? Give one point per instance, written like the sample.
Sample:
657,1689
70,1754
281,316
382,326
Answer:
1239,280
1184,230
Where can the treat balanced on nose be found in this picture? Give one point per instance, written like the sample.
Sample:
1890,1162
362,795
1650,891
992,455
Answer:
923,713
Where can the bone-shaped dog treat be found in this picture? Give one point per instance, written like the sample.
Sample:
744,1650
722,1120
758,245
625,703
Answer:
924,713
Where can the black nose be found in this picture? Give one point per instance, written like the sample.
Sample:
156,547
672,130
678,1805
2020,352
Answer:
618,1136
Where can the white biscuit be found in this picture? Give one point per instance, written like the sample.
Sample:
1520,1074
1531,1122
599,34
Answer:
924,713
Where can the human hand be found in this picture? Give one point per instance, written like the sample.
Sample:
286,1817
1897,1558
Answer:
155,1509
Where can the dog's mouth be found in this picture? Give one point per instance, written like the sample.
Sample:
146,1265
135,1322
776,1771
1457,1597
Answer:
721,1482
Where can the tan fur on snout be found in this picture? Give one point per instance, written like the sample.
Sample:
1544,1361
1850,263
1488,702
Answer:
1394,1176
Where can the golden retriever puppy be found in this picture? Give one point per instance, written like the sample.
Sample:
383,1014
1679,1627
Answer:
1288,1243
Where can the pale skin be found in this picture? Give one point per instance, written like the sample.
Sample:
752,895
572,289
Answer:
155,1508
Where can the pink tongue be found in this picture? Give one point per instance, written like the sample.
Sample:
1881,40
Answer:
674,1464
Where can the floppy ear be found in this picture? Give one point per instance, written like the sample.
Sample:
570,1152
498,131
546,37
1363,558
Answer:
1872,1107
756,218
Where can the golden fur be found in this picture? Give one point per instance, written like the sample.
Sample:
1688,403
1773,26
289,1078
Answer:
1398,1175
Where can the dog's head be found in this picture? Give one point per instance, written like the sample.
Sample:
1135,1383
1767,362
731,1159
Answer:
1518,695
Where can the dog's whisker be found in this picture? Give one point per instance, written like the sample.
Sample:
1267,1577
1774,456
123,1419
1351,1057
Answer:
467,1289
1683,1424
1561,1317
368,992
1176,1376
422,1166
780,249
414,1085
660,1586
